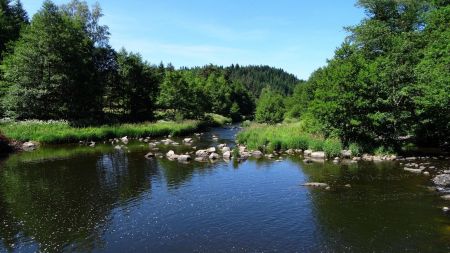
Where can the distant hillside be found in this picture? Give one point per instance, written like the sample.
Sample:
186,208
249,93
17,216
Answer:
255,78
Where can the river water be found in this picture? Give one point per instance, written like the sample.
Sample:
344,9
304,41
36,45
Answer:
80,199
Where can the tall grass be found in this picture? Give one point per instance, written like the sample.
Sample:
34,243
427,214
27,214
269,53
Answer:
285,136
63,132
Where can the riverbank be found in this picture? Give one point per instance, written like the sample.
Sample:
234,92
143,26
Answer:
57,132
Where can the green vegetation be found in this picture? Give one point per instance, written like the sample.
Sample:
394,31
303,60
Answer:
269,138
270,107
389,79
63,132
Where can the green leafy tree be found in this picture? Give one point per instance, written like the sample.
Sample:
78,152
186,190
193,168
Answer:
270,107
131,93
12,18
51,71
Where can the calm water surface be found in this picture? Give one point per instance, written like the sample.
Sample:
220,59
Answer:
81,199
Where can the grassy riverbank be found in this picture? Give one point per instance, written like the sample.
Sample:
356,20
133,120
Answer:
269,138
63,132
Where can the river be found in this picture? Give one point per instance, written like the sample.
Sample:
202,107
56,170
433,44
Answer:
75,198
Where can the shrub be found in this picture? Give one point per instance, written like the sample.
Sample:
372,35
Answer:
316,144
355,149
332,147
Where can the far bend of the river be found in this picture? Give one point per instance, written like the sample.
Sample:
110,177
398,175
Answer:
75,198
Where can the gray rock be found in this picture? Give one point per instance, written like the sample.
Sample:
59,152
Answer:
187,140
446,197
257,154
315,184
214,156
225,149
318,155
442,180
184,158
211,150
124,139
307,152
29,146
149,155
227,154
417,171
346,153
201,153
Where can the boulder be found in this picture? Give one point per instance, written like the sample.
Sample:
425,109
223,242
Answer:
227,154
257,154
187,140
221,146
446,197
211,150
225,149
149,155
118,147
307,152
201,153
92,144
184,158
242,149
290,151
171,154
29,146
417,171
315,184
346,153
214,156
442,180
124,139
318,155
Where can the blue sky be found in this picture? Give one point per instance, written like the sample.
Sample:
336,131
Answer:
296,35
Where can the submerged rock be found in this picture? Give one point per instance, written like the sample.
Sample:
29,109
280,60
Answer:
29,146
442,180
149,155
417,171
316,184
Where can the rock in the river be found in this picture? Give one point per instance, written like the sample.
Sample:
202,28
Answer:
221,146
307,152
118,147
184,158
227,154
446,197
214,156
29,146
318,155
445,209
346,153
201,159
417,171
225,149
257,154
442,180
211,150
171,155
149,155
201,153
315,184
124,139
92,144
187,140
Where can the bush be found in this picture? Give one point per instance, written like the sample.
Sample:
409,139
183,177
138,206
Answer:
316,144
355,149
270,107
332,147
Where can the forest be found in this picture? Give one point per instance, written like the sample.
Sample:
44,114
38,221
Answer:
388,81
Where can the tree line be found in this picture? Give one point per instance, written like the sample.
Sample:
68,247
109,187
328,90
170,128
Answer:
389,80
59,65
